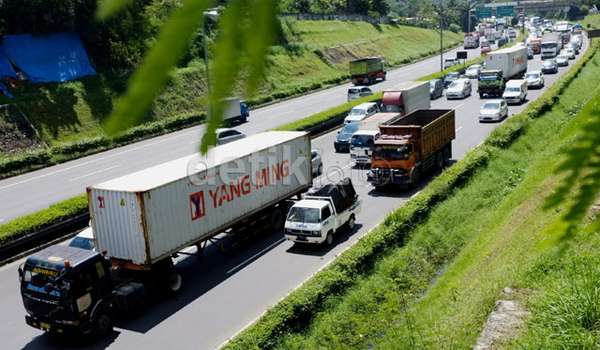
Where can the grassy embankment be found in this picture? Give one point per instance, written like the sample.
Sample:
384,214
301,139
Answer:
315,53
437,290
593,21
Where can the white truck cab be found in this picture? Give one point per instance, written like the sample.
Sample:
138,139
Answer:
361,146
323,213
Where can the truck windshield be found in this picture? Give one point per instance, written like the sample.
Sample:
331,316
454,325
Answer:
513,89
549,45
393,109
306,215
356,111
362,141
395,152
488,77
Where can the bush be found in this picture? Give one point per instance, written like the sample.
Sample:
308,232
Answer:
24,161
43,218
80,146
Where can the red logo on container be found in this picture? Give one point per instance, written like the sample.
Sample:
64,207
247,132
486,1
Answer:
197,205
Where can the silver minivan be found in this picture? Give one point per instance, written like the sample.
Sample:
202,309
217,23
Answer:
356,92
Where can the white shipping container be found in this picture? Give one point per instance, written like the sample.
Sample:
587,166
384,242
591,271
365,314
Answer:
232,108
511,61
148,215
407,97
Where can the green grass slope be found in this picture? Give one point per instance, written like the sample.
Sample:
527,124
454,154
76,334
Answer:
315,53
437,291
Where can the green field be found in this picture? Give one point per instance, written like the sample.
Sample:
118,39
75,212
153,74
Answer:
593,21
314,52
436,291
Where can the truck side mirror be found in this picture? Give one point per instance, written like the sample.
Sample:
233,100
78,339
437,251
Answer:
20,270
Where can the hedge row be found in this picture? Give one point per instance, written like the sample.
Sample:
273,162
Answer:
67,151
296,310
33,222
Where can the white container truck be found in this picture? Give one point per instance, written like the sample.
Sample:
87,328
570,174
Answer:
512,61
407,97
146,217
235,110
551,45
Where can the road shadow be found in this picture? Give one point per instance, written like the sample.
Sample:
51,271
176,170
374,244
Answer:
322,249
219,261
64,341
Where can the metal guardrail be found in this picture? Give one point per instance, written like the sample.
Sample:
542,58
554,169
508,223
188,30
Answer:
42,237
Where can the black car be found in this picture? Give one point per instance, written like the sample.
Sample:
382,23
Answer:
342,139
436,88
449,78
549,66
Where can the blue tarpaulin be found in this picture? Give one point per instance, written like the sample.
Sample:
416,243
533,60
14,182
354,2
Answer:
49,58
6,69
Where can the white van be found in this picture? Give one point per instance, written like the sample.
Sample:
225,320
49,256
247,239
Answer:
515,91
362,111
361,146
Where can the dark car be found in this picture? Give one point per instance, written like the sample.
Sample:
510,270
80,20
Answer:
342,139
436,88
450,77
502,41
549,66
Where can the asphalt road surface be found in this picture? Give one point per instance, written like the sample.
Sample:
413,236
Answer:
225,291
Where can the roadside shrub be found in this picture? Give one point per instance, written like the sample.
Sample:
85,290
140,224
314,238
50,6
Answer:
43,218
24,161
80,146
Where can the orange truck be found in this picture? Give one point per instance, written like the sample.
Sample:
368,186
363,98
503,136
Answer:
411,145
536,45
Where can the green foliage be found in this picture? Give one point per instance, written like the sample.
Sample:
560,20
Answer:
379,299
10,165
43,218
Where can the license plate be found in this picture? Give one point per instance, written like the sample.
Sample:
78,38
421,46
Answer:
301,238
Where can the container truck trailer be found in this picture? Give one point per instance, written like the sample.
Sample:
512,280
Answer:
512,61
141,220
410,146
406,97
551,45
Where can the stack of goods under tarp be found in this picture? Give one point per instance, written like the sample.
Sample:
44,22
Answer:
342,194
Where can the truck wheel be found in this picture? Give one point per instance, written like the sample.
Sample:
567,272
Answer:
416,178
277,220
103,324
351,222
174,282
440,160
481,95
329,238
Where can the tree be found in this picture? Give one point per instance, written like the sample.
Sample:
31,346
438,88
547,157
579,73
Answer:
585,10
380,6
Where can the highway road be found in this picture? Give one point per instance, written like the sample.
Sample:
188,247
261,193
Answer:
225,291
33,191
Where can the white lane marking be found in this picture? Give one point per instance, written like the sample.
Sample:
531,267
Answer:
93,173
91,161
458,129
250,259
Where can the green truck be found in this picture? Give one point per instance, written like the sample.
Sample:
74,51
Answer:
367,70
491,83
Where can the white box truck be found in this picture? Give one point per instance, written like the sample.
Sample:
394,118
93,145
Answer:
235,110
407,97
512,61
551,45
145,217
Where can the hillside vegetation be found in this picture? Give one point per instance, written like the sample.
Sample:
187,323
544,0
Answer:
314,53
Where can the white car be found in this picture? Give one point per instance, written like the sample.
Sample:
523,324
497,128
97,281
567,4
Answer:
226,135
493,110
460,88
357,92
568,52
473,71
84,240
449,62
562,60
535,79
317,163
515,91
360,112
